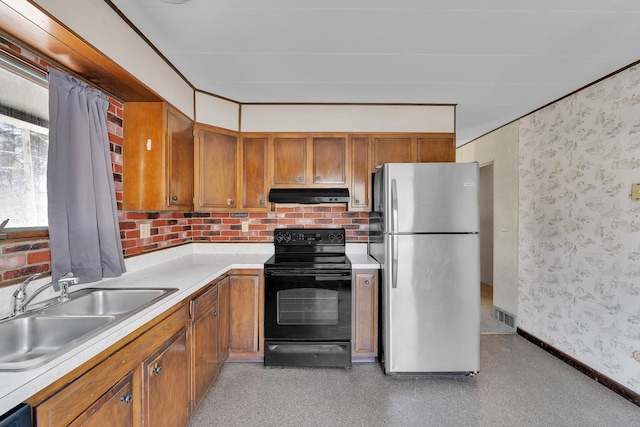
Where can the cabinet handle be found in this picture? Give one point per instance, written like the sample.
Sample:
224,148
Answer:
317,178
261,202
214,313
357,201
366,282
174,198
157,369
232,202
127,398
300,178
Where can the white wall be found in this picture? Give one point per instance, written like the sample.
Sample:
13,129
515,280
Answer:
579,252
501,148
99,25
348,118
216,111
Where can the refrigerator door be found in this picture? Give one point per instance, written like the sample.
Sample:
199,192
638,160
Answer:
431,295
430,197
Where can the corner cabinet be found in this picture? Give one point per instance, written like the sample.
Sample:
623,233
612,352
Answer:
157,157
365,316
216,170
255,174
205,333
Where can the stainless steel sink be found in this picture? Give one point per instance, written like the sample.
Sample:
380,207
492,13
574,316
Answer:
108,301
32,339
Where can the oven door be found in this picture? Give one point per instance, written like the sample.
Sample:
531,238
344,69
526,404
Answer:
307,306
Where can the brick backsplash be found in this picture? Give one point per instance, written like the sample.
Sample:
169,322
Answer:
20,259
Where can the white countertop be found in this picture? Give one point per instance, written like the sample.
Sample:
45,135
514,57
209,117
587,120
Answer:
187,268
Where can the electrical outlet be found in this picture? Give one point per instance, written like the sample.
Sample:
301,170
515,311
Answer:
245,226
145,231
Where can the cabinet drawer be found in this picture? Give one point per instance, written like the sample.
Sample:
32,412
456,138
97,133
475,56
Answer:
203,304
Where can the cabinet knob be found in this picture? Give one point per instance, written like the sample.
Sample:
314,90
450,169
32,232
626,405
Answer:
300,178
232,202
157,369
127,398
214,313
261,202
174,198
317,178
357,201
366,282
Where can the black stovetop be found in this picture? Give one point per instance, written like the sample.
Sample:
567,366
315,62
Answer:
309,248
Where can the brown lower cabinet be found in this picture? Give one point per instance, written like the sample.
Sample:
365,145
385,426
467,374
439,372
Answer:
364,292
120,384
246,315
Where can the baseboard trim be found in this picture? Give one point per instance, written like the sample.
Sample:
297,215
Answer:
590,372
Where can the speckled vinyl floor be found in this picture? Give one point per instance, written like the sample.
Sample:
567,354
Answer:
519,385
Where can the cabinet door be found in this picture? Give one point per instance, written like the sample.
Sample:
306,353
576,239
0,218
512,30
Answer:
204,343
217,171
329,160
437,148
223,319
165,384
360,175
180,162
246,296
254,173
289,160
365,315
114,408
390,149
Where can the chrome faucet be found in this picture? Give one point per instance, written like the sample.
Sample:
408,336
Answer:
20,299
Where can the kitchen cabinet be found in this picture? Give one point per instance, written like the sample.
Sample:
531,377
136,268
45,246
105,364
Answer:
113,387
436,148
216,172
412,148
390,149
115,407
304,160
246,315
255,174
204,343
223,320
158,158
165,384
289,157
330,161
360,176
365,315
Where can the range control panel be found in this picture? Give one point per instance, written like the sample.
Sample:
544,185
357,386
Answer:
309,236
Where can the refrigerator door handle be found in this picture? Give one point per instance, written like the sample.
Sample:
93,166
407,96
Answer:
394,261
394,206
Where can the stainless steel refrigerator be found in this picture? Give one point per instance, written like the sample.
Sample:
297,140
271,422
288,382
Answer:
424,233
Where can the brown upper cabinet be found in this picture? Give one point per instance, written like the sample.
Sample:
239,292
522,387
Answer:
216,171
410,148
360,188
303,160
157,158
255,176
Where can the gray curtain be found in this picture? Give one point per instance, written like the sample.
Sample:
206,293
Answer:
83,220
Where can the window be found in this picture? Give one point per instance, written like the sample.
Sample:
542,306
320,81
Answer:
24,142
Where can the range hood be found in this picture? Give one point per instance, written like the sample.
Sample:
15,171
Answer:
309,195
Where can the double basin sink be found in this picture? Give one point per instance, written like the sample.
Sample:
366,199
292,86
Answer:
32,339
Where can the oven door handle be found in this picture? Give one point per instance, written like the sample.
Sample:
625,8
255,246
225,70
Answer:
319,276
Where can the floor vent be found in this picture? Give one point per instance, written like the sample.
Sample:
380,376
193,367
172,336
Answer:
504,317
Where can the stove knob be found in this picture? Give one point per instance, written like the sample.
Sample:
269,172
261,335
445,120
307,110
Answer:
340,237
279,238
287,237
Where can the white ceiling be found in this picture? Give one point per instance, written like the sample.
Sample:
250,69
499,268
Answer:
497,60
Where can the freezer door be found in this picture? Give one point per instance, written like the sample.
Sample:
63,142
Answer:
431,303
430,197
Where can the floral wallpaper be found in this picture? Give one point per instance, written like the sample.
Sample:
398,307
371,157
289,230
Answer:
579,230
